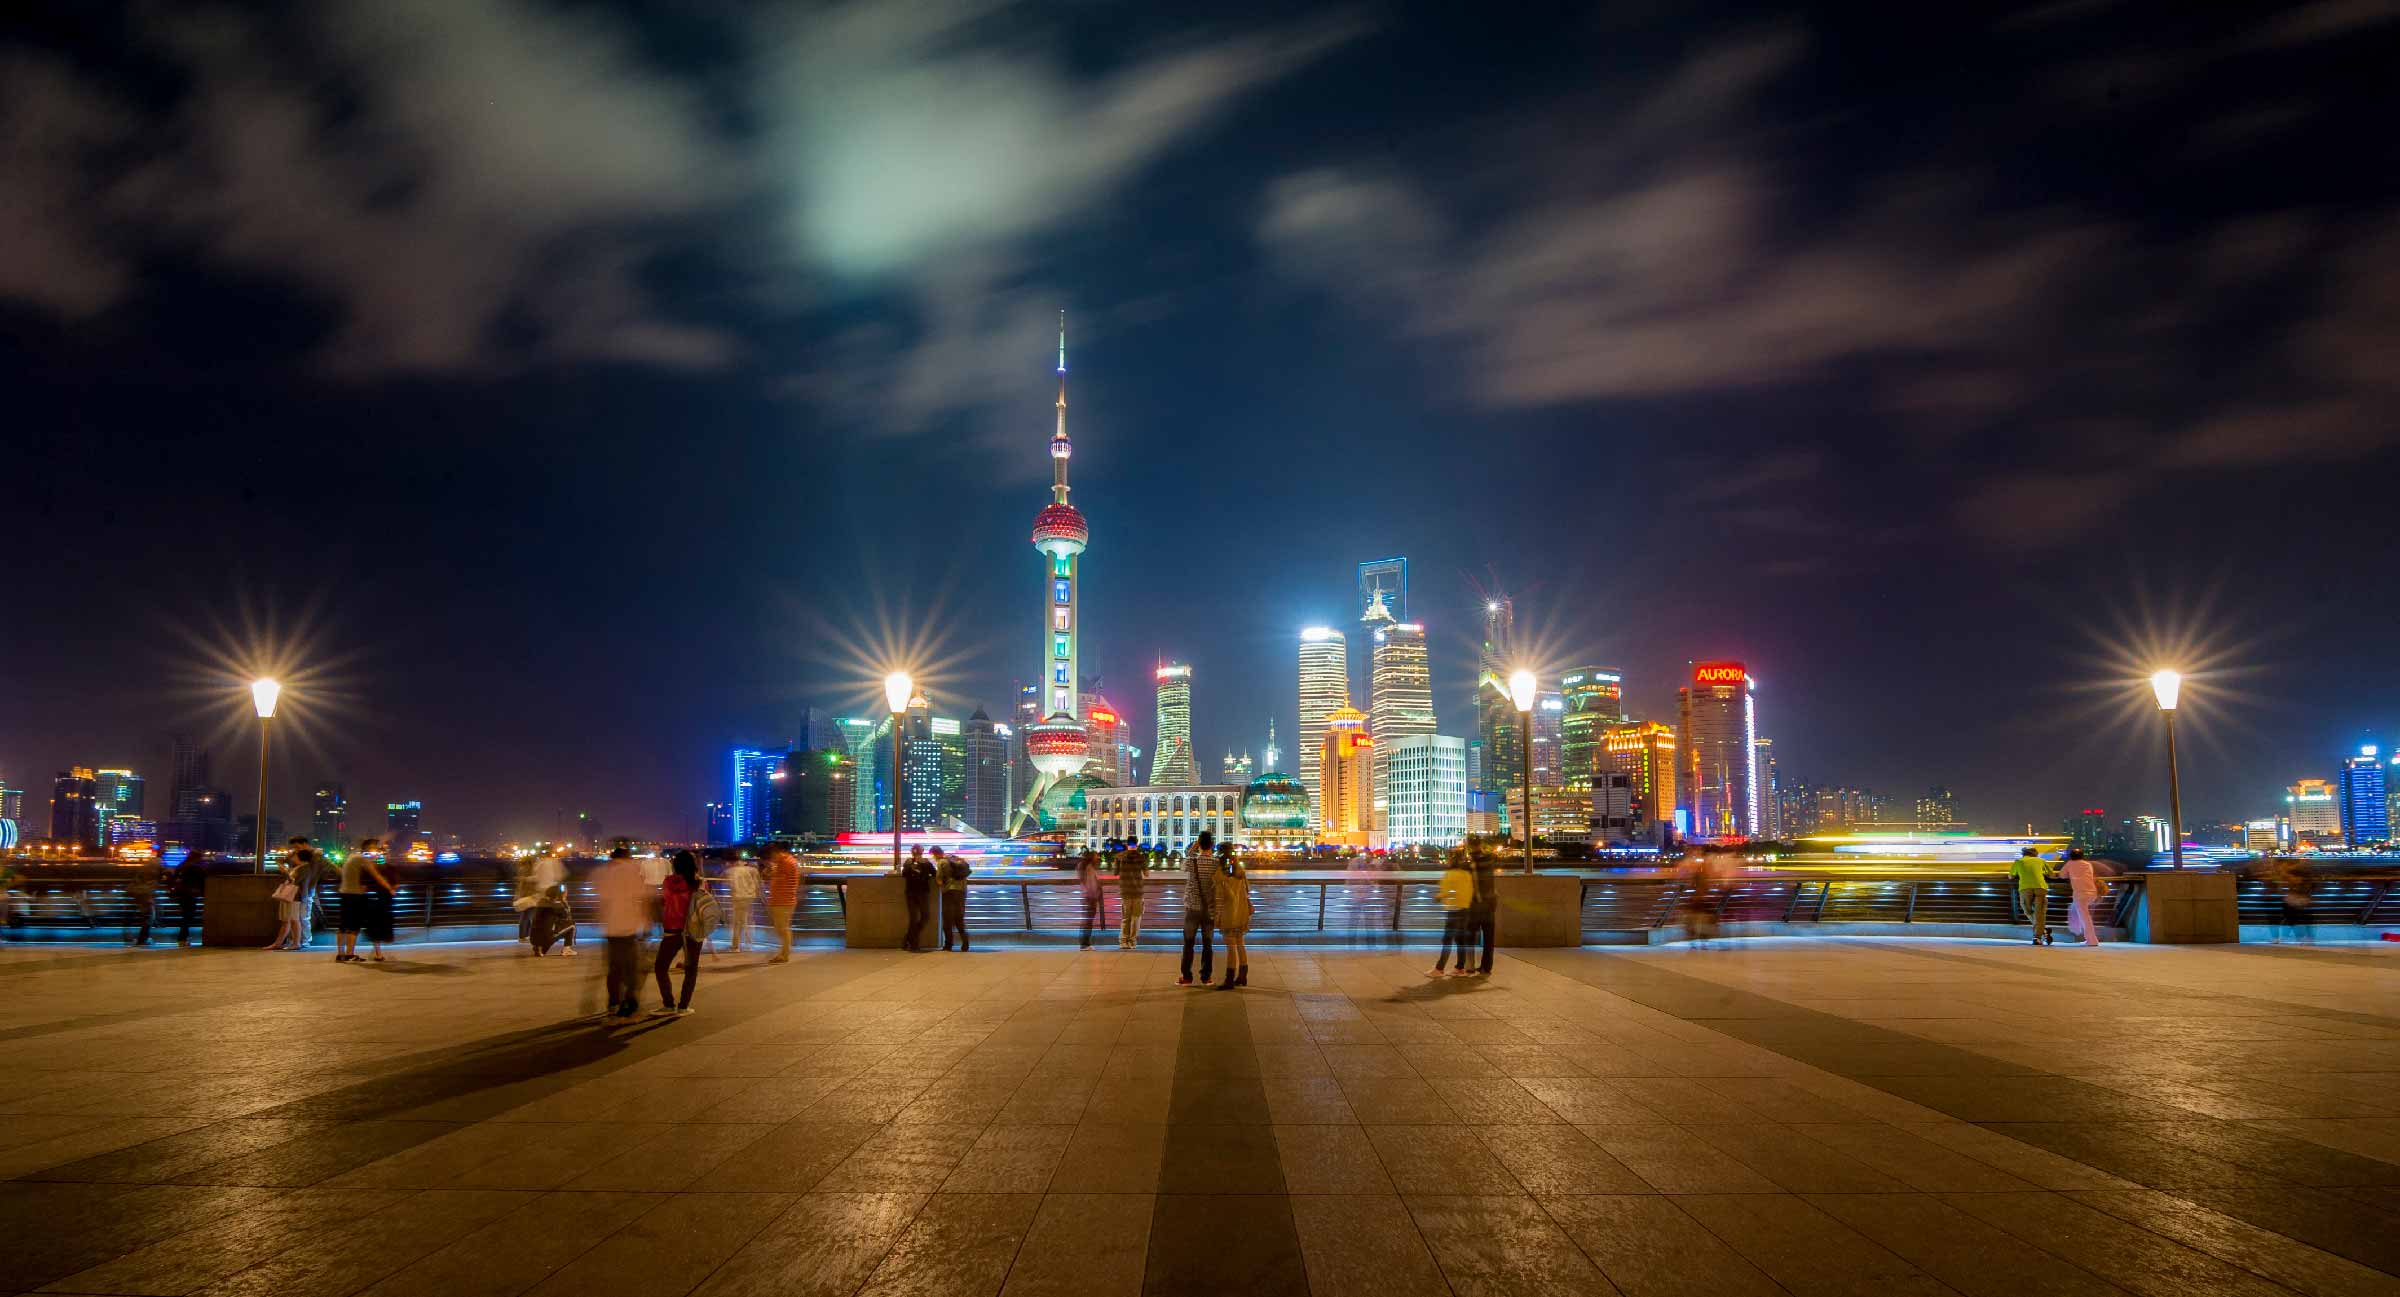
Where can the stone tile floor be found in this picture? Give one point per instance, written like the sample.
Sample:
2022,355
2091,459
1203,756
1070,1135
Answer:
1811,1116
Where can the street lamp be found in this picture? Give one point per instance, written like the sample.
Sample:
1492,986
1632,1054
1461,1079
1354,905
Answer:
2168,685
263,693
1521,689
896,690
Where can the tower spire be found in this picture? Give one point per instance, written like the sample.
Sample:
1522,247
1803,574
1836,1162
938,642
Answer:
1060,447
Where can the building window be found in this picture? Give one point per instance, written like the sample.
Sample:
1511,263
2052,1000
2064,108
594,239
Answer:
1061,590
1058,674
1061,619
1061,646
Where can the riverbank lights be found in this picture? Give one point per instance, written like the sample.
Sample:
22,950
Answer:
2168,685
1521,689
263,694
897,688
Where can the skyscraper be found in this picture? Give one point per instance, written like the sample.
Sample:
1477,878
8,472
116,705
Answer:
1595,700
814,796
1401,699
1172,764
75,809
191,784
921,758
116,794
1426,791
1110,744
861,739
1383,580
1770,789
751,790
1057,745
1718,737
329,816
1499,762
2366,812
988,794
1346,769
1235,769
1549,719
1645,752
1324,690
2313,807
1937,807
1271,754
403,825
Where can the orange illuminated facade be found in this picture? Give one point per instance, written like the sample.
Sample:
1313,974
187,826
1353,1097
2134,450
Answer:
1346,767
1645,751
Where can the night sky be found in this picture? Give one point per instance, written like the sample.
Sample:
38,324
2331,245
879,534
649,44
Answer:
561,392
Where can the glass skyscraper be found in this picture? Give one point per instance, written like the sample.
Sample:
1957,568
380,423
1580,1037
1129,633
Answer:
1426,790
1171,761
1595,700
750,789
1324,690
1719,737
2366,810
1401,699
1383,580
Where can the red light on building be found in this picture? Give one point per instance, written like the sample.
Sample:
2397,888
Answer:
1104,716
1719,673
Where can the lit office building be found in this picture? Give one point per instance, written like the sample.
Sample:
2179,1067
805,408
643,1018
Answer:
404,826
2262,836
750,789
921,757
865,740
1400,702
718,816
1162,817
1770,789
2314,809
75,809
1644,751
116,792
1937,807
1172,762
1595,700
2152,833
1549,719
329,816
191,779
1717,743
1235,769
989,795
1499,761
1560,814
1384,581
1426,789
2366,807
1324,690
2088,829
1111,748
1346,775
813,794
1613,821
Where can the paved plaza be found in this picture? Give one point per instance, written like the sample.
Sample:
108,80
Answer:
1812,1116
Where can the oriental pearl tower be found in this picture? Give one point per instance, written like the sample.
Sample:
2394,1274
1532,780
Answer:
1057,743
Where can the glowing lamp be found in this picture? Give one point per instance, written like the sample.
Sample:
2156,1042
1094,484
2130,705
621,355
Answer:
1521,688
263,694
2167,685
896,689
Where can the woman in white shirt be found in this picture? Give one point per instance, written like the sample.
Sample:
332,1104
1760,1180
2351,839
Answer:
2086,884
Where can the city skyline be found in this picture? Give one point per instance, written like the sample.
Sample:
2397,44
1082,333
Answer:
568,467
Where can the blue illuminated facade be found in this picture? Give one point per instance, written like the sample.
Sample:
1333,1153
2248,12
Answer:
2366,805
750,793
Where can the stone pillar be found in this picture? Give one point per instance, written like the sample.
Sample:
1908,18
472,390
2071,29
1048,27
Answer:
1540,910
237,909
875,913
2187,907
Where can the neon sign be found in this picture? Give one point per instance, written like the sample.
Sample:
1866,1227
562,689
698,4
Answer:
1719,673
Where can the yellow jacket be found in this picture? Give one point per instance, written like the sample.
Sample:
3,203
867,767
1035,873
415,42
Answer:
1458,888
1233,901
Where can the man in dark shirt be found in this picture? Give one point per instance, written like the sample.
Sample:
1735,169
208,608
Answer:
1483,916
916,884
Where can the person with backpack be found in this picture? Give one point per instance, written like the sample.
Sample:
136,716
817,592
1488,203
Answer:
1131,866
1233,910
953,872
687,913
1458,899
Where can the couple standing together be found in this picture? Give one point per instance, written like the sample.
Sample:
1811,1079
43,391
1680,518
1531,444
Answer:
1216,895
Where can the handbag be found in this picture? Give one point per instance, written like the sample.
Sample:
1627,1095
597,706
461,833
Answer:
288,891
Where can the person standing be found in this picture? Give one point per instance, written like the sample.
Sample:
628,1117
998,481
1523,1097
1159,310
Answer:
675,903
952,870
2032,875
191,880
654,876
364,890
1233,910
527,899
553,910
1457,891
1087,889
1483,917
783,896
1132,866
741,883
916,887
624,909
141,892
1199,901
2086,887
291,895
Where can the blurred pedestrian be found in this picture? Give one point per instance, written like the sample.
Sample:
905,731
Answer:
2292,883
141,892
291,897
679,903
654,877
916,888
366,903
1699,896
2086,887
2032,874
742,884
1132,866
1199,899
624,910
1233,910
190,883
783,896
1483,917
553,909
952,870
1457,893
527,897
1087,890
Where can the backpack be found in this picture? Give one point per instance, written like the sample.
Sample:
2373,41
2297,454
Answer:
701,918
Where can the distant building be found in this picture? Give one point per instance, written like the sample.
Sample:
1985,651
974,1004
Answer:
1385,581
1613,821
1274,813
1324,690
117,792
1400,699
1172,762
2088,829
990,795
75,809
329,816
1717,743
1162,817
1561,814
12,810
1483,814
1426,790
1235,769
1595,700
1644,751
1549,719
719,818
2262,836
1770,788
1110,740
863,739
921,768
750,790
2314,808
404,825
1937,807
2366,804
950,736
191,779
1346,780
1498,763
813,794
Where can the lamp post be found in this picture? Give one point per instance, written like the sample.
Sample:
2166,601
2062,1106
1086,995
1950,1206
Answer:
896,690
263,693
2168,685
1521,689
